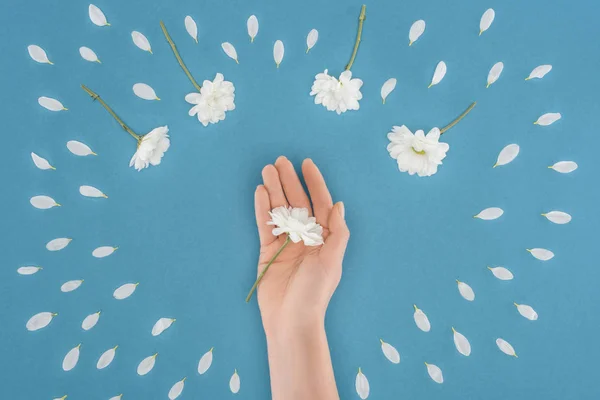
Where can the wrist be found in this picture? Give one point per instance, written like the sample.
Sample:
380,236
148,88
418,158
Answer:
298,328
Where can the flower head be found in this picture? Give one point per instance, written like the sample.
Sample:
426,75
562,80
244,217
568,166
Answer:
214,99
417,153
337,95
296,223
151,148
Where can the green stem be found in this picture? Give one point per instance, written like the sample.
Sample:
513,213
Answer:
111,112
178,57
457,120
264,271
361,20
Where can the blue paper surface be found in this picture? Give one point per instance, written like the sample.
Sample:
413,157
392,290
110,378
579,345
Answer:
186,230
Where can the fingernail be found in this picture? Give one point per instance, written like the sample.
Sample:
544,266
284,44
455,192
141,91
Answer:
342,209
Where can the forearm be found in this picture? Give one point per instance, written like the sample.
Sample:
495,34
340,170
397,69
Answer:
300,363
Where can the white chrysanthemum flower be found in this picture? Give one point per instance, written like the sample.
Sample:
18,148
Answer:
339,95
214,99
151,148
417,153
296,223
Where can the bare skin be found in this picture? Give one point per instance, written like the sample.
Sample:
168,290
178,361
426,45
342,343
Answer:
294,294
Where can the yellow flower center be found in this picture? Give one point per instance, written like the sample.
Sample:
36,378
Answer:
418,152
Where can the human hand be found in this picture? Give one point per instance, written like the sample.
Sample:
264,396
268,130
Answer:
296,290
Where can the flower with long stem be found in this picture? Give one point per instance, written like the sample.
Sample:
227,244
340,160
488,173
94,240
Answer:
150,147
343,93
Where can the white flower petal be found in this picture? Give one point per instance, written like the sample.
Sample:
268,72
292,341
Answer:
387,88
90,321
435,373
205,361
141,41
144,91
176,389
252,25
71,285
541,254
51,104
548,119
79,149
465,291
28,270
462,344
88,54
43,202
191,27
97,16
505,347
38,54
39,321
495,73
230,51
438,74
146,364
278,51
119,397
106,358
421,320
501,273
362,385
58,244
558,217
539,72
103,251
311,39
564,167
486,20
124,291
527,311
390,352
234,382
415,32
40,162
161,325
71,359
90,191
490,213
507,154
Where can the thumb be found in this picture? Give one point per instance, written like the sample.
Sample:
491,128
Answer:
335,245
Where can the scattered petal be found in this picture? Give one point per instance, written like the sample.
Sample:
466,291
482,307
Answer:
88,54
106,358
97,16
390,352
505,347
38,54
435,373
58,244
311,39
43,202
79,149
490,213
234,382
486,20
421,320
507,154
90,191
103,251
205,362
28,270
502,273
141,41
40,162
90,321
51,104
416,30
40,320
71,359
541,254
230,51
146,364
462,344
191,27
161,325
124,291
494,73
278,51
527,311
176,389
539,72
548,119
71,285
465,291
252,25
387,88
362,385
144,91
438,74
564,167
119,397
558,217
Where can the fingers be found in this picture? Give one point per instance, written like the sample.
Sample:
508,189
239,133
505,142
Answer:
262,206
273,186
319,194
294,192
335,244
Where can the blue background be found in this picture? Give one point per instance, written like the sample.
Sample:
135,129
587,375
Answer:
186,228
